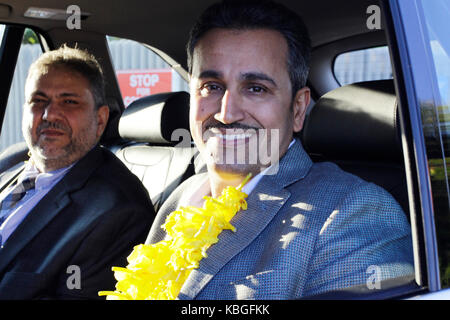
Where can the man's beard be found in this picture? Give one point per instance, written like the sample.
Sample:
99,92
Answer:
62,156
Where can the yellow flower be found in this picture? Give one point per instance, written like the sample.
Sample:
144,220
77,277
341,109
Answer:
158,271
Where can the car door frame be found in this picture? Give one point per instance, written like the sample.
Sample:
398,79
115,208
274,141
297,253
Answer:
415,84
9,53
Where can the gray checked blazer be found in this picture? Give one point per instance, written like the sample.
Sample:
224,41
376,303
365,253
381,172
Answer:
309,229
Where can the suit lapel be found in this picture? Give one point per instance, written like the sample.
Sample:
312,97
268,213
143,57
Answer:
8,176
262,207
264,203
50,206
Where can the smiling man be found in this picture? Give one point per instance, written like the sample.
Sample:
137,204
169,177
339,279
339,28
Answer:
73,208
309,227
237,99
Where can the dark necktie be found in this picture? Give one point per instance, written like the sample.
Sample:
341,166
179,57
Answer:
18,192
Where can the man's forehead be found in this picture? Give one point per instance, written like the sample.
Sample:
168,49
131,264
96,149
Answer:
73,84
38,76
244,49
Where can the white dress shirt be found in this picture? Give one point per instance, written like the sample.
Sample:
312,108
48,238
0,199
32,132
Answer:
195,198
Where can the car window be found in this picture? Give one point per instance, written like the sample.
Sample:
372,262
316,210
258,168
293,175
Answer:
363,65
141,72
30,50
436,15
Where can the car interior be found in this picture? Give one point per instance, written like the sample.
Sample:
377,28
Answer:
356,126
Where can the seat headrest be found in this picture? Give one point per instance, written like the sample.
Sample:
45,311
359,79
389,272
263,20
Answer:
154,118
355,122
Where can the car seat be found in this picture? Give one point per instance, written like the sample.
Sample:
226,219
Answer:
357,127
157,145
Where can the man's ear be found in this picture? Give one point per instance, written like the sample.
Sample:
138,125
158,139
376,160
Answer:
300,105
102,119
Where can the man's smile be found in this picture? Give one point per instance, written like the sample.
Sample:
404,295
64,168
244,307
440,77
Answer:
230,137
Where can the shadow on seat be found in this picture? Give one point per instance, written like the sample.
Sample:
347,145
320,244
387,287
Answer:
157,144
357,127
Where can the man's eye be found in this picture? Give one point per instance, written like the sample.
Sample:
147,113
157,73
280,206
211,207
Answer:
37,101
70,101
207,89
256,89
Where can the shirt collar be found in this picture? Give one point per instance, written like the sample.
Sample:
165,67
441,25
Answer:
43,180
248,188
195,198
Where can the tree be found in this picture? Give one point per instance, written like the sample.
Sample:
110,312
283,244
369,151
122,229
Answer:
29,37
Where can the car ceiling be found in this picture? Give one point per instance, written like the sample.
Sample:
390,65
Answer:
165,24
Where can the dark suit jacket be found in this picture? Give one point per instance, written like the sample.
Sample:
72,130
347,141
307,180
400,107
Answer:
87,223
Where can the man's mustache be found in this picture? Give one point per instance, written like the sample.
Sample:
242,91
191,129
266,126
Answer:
53,125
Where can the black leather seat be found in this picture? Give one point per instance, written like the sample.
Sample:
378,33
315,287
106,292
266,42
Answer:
13,155
357,127
158,146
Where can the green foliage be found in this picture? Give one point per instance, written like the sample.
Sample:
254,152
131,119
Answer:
29,37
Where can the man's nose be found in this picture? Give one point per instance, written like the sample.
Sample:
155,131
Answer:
231,109
52,111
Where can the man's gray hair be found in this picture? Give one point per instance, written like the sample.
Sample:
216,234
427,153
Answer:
76,60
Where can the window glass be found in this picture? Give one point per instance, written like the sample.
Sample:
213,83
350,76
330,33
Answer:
363,65
12,123
437,24
141,72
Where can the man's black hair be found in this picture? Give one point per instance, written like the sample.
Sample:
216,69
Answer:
259,14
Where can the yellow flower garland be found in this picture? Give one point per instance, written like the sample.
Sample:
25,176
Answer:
158,271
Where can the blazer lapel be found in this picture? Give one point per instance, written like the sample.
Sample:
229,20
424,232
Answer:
8,176
262,207
52,204
264,202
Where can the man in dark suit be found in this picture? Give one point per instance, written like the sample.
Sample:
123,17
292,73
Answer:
73,209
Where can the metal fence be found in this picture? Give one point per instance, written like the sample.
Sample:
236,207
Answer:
131,55
363,65
12,123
